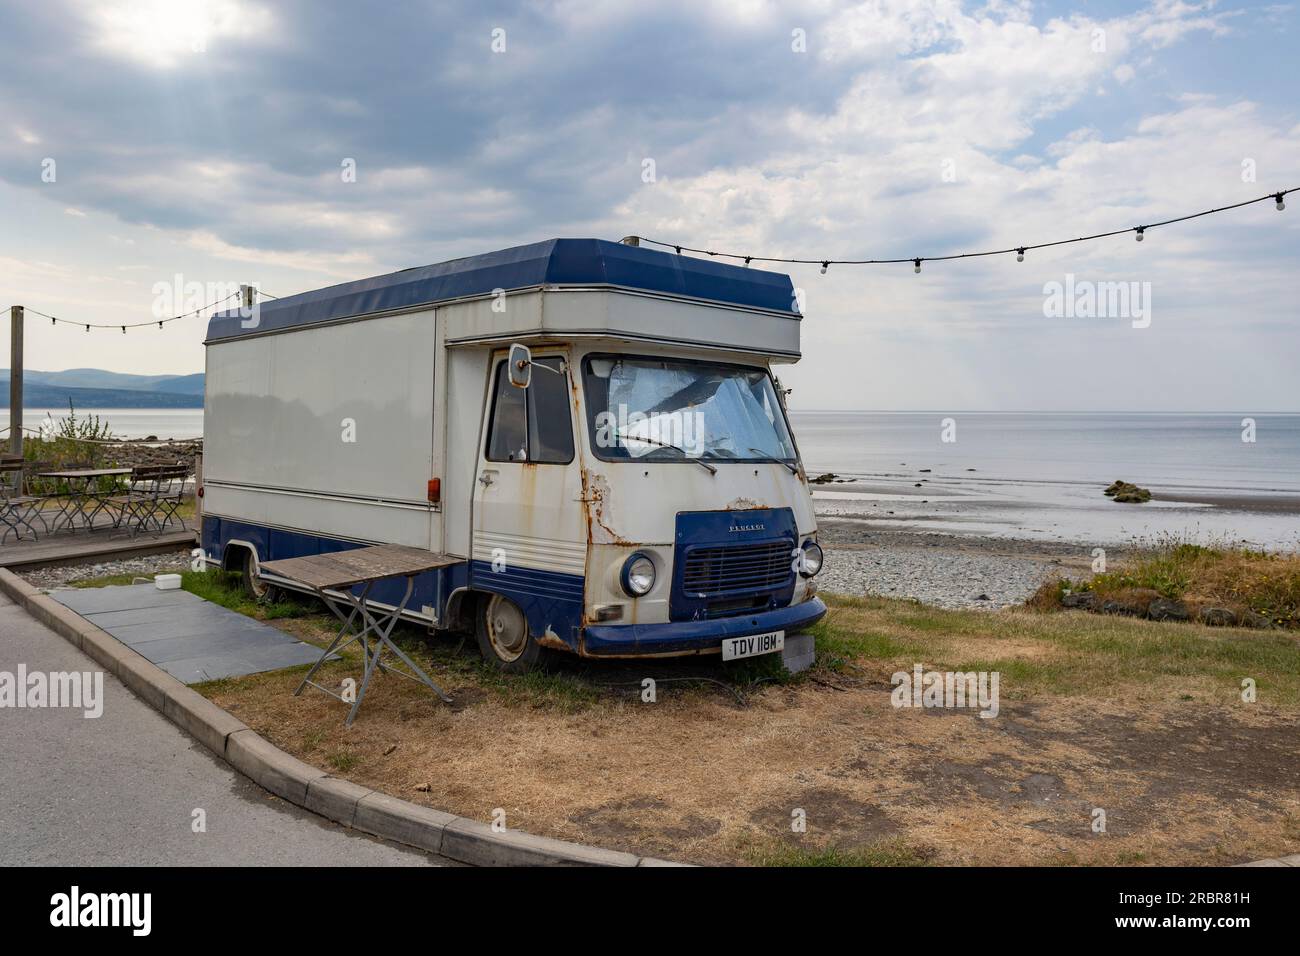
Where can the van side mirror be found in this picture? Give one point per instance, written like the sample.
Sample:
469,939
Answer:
521,365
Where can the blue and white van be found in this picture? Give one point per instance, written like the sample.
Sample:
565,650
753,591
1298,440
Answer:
592,428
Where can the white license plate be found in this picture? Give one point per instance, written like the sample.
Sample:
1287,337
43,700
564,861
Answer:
753,645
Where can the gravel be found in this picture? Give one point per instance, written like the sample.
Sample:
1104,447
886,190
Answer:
944,570
145,566
936,577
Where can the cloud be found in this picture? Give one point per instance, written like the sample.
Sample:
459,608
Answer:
902,128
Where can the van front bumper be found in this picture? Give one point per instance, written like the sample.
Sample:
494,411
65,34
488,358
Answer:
694,637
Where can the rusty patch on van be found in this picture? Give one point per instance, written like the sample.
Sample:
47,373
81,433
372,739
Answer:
596,498
552,640
744,504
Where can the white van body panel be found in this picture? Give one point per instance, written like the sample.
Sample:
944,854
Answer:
328,429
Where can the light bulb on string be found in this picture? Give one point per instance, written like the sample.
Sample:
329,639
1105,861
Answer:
917,264
1140,231
1020,254
825,265
1280,204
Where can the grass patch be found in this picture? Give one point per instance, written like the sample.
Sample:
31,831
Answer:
885,853
226,589
108,581
1242,580
1067,655
342,760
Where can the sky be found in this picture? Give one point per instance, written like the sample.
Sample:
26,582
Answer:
156,150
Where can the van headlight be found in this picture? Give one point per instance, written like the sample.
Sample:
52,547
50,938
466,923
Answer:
811,562
638,575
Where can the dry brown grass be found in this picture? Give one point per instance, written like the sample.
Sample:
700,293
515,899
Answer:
1143,720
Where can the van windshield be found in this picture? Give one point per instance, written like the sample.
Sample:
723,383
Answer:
650,409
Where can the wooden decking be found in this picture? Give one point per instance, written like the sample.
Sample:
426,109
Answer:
73,547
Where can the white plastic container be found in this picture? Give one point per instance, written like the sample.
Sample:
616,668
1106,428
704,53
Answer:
167,582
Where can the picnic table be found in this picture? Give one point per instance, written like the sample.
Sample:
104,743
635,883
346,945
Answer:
81,495
335,577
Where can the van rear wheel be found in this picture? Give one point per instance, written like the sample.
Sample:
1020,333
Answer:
263,592
503,637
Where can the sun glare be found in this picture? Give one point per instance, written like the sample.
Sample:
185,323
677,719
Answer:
167,33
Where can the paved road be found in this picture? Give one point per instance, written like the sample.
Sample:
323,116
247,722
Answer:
120,789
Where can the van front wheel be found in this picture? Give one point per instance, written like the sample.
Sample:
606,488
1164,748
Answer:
503,638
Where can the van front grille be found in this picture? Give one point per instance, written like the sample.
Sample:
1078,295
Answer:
751,567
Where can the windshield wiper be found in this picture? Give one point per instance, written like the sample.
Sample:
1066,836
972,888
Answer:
767,454
663,444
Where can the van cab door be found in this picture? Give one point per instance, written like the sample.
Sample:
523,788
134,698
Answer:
530,536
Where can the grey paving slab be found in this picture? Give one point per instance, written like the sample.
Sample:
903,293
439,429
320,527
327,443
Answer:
196,670
175,614
99,600
214,643
133,634
190,638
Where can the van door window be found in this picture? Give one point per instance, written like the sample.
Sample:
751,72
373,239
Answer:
532,424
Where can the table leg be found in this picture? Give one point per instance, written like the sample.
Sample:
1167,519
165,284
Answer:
338,643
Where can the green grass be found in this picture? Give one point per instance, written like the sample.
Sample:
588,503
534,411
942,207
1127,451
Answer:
226,589
1068,654
108,580
342,760
885,853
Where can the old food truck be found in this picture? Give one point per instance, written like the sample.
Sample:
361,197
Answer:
591,427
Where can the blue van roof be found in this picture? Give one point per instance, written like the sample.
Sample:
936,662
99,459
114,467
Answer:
554,262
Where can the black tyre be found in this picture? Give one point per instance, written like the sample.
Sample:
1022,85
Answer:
503,636
260,591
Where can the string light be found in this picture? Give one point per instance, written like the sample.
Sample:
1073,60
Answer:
1139,233
55,320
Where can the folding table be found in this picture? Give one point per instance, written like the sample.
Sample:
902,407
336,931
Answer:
334,578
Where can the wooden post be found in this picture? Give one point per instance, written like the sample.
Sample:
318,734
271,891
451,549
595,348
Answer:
16,380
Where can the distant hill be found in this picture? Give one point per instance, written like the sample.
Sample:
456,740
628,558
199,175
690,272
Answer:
98,388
